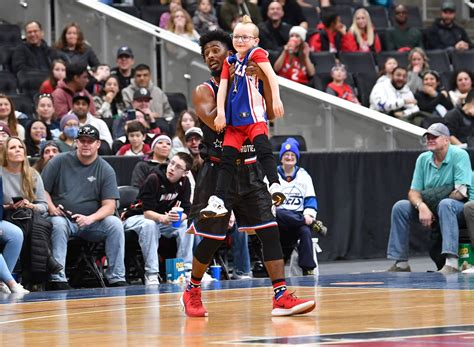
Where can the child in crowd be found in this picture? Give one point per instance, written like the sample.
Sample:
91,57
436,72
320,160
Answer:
245,115
136,134
338,87
56,74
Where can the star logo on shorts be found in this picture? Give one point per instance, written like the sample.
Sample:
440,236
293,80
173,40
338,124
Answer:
218,143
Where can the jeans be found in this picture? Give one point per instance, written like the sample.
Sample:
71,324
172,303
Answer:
469,216
149,233
450,214
240,251
11,238
109,229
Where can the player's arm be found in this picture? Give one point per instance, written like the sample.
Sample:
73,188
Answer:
275,90
205,105
219,122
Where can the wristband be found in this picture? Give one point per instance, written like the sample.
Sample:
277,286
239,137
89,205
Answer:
417,206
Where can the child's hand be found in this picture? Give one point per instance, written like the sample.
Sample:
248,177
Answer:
278,109
219,122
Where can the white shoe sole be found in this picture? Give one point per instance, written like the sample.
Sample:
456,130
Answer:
298,309
181,301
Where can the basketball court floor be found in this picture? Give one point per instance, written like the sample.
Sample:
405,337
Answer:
366,309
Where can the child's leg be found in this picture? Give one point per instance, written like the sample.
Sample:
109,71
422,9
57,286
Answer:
226,171
266,158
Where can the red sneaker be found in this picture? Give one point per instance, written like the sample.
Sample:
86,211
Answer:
288,305
192,304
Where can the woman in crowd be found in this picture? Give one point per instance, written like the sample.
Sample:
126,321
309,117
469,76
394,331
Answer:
48,152
363,32
386,72
5,133
69,126
56,74
205,18
37,133
7,115
417,66
186,120
181,24
165,16
294,62
73,49
432,98
461,84
45,112
109,103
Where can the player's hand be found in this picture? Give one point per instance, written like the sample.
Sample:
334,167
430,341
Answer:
219,122
278,109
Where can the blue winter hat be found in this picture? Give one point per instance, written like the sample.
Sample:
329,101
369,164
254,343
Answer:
290,145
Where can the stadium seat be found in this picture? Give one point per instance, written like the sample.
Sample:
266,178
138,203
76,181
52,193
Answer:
446,79
178,102
312,16
23,103
323,61
358,61
277,140
5,56
379,17
7,83
365,82
344,11
30,81
439,60
463,59
10,34
401,57
152,13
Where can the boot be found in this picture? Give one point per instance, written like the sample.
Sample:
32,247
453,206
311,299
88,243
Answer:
53,266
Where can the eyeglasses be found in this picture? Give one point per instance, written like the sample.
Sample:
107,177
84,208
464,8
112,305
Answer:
244,38
176,166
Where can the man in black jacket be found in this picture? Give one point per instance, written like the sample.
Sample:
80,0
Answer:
34,54
274,32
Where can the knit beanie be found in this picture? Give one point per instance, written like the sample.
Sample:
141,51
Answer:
290,145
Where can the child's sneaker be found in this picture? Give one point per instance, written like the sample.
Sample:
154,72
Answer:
289,305
192,303
17,288
214,209
277,196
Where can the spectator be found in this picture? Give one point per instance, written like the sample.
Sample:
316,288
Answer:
7,115
160,192
443,166
5,133
75,82
186,120
56,73
402,37
393,97
11,240
338,87
205,18
69,126
45,112
364,34
460,122
97,79
417,66
37,133
34,54
142,79
158,158
462,84
294,62
136,134
73,49
432,98
445,33
165,16
232,11
48,152
124,69
181,24
92,192
80,107
274,32
296,217
194,138
386,71
293,14
109,102
331,36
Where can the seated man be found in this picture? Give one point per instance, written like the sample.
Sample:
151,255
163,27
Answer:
159,194
81,191
444,170
296,217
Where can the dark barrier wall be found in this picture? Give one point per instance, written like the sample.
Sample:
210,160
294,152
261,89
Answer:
356,192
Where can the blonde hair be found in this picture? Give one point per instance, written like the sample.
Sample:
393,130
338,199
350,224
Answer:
189,27
246,20
28,179
369,28
420,51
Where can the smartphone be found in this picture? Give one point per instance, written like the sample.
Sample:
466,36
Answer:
131,114
16,199
68,214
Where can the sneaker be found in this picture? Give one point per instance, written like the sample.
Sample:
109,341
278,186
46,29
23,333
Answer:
277,196
318,228
448,270
207,278
289,305
151,280
17,288
4,289
192,303
236,276
214,209
395,268
118,284
59,286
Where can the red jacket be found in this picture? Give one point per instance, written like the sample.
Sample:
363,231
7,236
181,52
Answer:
62,99
332,41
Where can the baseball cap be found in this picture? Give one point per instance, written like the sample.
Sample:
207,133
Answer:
448,6
88,131
5,129
81,96
125,50
193,131
437,129
141,93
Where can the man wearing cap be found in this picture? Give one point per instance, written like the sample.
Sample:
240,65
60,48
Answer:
124,69
74,83
159,100
158,158
445,33
193,137
436,198
274,32
81,192
460,121
142,101
80,107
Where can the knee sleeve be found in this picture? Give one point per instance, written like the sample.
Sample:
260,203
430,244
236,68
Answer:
270,238
205,250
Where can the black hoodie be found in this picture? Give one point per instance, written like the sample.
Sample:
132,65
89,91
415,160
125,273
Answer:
440,36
